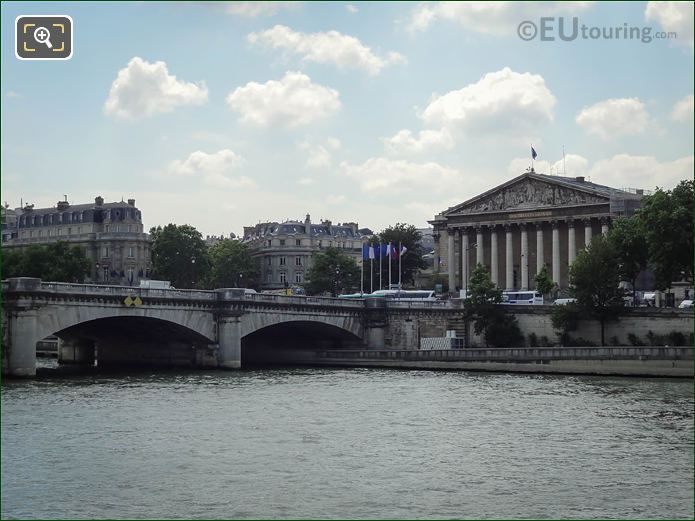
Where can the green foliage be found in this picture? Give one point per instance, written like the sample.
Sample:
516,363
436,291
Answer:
594,281
334,272
666,219
532,340
408,236
499,328
438,278
628,239
57,262
544,283
565,319
634,340
232,266
180,256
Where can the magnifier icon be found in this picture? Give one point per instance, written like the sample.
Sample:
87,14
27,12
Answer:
43,35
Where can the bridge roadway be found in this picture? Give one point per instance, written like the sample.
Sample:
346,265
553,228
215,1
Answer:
208,328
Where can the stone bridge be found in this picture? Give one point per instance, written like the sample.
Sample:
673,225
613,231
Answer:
125,325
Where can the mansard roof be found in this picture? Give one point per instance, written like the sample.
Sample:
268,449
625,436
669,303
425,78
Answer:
531,191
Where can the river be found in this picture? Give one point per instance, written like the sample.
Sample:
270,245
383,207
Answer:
346,443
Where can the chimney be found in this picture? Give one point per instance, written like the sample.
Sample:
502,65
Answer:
307,225
131,202
580,178
98,200
63,205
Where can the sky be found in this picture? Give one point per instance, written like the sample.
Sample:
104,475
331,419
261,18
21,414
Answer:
225,114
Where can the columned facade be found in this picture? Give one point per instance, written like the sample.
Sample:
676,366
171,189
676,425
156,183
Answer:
527,222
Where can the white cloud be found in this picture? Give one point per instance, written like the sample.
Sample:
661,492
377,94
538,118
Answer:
614,117
320,155
385,176
351,8
144,89
336,199
213,169
683,110
673,17
495,18
332,47
292,101
256,9
306,181
500,102
426,141
624,170
573,165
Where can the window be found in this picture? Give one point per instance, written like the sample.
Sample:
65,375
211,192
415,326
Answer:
131,252
69,230
269,277
131,274
270,243
130,228
298,278
269,261
118,229
105,251
298,242
282,242
283,277
79,230
282,261
297,261
319,244
106,228
106,273
40,233
31,233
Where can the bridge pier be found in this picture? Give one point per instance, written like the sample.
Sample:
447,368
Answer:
21,352
76,351
376,322
229,340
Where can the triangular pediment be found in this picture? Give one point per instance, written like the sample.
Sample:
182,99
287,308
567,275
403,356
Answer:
531,192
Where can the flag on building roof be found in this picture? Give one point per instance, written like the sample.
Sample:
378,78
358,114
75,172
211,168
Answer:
534,155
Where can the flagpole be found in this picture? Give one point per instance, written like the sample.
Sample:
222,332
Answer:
380,285
371,275
362,271
400,249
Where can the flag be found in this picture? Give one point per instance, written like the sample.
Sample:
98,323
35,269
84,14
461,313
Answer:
383,250
365,251
403,250
372,252
391,251
534,155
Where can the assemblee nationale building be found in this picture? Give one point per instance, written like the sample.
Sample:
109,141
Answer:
518,226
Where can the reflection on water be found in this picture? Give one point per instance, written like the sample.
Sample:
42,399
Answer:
357,443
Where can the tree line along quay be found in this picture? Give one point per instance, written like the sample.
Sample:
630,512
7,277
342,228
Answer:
654,243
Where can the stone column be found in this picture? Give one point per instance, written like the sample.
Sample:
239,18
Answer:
587,232
450,259
556,252
539,247
509,282
604,225
494,265
524,257
229,340
571,242
480,251
465,271
23,337
76,351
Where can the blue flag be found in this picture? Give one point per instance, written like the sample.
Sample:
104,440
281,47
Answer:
365,251
533,153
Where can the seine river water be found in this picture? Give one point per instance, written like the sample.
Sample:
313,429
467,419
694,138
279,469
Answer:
337,443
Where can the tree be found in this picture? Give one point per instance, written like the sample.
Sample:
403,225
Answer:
628,239
405,235
565,319
595,282
57,262
332,271
232,266
666,219
544,284
179,255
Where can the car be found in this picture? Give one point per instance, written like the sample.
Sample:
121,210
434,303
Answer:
686,304
564,301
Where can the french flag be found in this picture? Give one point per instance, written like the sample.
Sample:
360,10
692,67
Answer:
403,250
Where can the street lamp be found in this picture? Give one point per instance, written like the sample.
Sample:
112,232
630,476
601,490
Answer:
337,279
97,271
193,269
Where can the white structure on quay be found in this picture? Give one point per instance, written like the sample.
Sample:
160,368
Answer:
518,226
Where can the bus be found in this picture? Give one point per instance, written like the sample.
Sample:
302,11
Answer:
417,295
522,298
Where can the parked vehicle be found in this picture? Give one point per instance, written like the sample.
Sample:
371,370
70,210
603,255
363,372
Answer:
156,284
564,301
522,298
686,304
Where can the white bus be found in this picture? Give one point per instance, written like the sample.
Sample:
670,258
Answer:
522,298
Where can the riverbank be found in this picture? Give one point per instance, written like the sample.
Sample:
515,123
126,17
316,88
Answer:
616,361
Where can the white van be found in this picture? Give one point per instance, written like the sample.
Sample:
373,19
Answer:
564,301
155,284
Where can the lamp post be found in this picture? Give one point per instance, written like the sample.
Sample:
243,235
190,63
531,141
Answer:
193,270
97,266
337,279
240,280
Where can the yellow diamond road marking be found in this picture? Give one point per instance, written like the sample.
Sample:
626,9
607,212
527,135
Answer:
128,301
137,301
